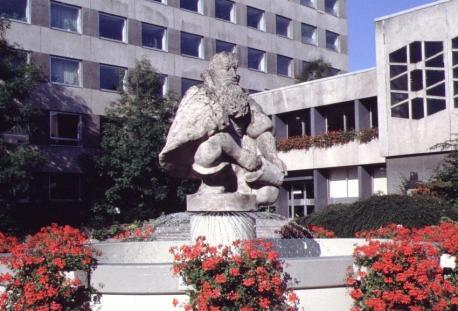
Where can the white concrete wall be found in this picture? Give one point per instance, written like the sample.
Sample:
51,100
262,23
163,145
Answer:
434,22
327,91
351,154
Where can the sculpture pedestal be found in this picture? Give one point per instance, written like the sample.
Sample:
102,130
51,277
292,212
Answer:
222,218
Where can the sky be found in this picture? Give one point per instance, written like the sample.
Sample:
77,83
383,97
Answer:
361,32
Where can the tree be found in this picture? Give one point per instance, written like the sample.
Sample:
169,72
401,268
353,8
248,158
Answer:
444,182
316,69
136,187
18,163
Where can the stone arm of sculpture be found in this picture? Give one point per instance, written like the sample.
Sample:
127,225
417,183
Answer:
211,151
268,149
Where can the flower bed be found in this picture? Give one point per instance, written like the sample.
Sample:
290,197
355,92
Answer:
405,273
43,269
327,140
246,277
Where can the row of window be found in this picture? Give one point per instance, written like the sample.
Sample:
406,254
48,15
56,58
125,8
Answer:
67,17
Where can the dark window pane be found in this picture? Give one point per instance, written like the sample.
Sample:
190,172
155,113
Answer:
283,65
111,27
455,86
187,83
401,111
437,90
282,25
330,6
256,59
192,5
111,77
295,126
435,105
434,76
436,62
455,58
14,9
432,48
254,17
64,17
416,80
223,46
399,83
64,126
399,56
332,40
190,44
455,72
397,69
64,187
308,33
417,109
456,102
159,89
65,71
153,36
307,3
415,52
455,43
398,97
223,9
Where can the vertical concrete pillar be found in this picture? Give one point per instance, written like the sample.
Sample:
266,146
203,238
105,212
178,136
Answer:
174,85
242,52
320,189
209,47
39,13
281,206
91,75
270,22
209,8
317,122
173,3
240,13
271,63
90,22
362,116
135,32
364,182
174,41
297,30
280,127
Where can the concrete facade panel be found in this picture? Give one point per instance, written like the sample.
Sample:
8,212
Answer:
135,32
399,169
66,44
154,13
27,37
40,12
90,21
91,75
115,7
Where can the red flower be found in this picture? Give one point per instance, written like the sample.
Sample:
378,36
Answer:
220,279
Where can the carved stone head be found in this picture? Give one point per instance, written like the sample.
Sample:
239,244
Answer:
223,69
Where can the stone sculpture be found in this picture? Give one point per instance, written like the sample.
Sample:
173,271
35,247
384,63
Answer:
222,137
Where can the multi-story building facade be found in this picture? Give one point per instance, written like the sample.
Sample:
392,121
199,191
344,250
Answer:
84,48
410,99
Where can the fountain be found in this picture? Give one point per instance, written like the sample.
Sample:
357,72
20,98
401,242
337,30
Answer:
221,137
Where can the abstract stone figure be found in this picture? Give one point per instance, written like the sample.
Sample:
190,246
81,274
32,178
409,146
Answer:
223,138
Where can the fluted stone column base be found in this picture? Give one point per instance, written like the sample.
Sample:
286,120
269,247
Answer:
222,217
223,227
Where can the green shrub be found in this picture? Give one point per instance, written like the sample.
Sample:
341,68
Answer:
410,211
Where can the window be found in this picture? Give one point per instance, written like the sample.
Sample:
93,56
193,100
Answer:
112,27
308,33
332,41
418,91
297,123
64,128
339,117
455,71
379,181
154,36
111,77
14,9
255,18
224,9
65,187
188,83
256,59
331,7
65,17
223,46
191,45
310,3
284,65
343,183
65,71
162,87
283,26
191,5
